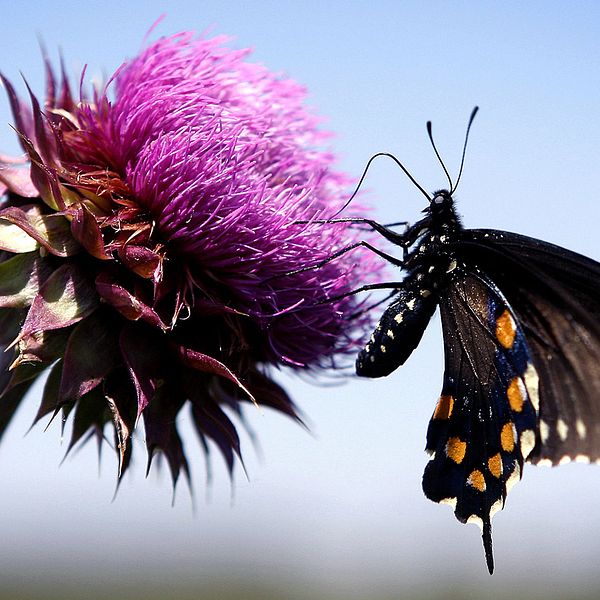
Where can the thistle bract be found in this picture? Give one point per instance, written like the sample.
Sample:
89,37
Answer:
147,245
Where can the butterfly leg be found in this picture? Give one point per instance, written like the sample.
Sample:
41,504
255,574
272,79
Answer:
405,224
389,285
384,230
369,308
362,244
404,239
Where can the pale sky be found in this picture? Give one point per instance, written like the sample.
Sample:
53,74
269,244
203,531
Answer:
341,507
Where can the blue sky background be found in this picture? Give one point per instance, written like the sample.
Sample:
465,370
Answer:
341,510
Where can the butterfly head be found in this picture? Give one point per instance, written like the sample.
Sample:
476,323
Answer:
440,203
441,214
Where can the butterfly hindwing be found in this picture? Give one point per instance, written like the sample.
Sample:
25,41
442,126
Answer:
484,425
555,294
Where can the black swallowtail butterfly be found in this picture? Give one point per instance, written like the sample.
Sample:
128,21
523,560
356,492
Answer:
521,328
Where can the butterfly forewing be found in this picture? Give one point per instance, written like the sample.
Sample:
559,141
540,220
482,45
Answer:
555,294
484,424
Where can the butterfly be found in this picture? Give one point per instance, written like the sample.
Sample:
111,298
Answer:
521,329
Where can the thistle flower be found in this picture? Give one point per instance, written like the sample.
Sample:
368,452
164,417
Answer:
147,249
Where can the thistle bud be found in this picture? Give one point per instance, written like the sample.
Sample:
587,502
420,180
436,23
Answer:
151,243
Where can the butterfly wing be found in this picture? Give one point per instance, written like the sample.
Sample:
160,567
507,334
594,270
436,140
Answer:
555,295
484,424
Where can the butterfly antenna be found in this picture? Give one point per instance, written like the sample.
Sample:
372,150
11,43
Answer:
362,178
430,134
462,160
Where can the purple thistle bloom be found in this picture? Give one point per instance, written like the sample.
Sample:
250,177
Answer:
148,248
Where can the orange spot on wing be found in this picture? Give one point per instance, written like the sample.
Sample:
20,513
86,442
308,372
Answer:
444,407
456,449
477,480
506,329
507,437
515,394
495,465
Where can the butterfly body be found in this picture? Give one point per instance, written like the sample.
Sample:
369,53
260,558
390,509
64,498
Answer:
427,266
521,326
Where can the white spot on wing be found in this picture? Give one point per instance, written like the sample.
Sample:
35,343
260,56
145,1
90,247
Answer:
411,304
498,505
562,429
452,266
449,501
582,458
390,334
532,383
545,462
544,431
398,318
565,460
383,349
522,388
514,477
477,520
527,442
581,428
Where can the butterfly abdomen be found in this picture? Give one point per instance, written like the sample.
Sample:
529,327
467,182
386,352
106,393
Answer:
399,330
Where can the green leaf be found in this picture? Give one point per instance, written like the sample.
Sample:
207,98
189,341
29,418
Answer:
161,432
65,298
91,414
21,278
26,229
14,239
208,364
35,354
17,180
122,402
91,354
50,400
42,347
86,230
